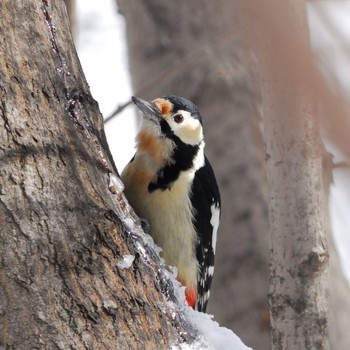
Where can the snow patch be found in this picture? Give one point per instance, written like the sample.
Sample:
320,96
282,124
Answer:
218,338
115,185
126,262
208,333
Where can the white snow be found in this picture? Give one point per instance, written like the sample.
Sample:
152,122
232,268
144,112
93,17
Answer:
126,262
210,335
115,185
219,338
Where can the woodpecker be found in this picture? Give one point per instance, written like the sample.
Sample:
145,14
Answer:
170,183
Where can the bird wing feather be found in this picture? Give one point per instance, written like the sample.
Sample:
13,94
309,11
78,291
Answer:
205,200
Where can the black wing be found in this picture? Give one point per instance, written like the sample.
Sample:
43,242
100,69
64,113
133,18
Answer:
206,203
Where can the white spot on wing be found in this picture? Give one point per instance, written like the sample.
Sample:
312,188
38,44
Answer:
214,221
211,271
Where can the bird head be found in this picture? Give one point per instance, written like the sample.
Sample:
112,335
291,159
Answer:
172,117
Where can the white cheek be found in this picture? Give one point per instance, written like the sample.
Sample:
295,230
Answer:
189,131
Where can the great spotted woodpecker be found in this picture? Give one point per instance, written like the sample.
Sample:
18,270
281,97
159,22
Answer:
171,184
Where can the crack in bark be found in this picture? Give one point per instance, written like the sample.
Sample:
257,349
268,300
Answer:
4,117
63,69
41,177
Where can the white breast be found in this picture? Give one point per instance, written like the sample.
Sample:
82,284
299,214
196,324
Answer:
170,216
169,213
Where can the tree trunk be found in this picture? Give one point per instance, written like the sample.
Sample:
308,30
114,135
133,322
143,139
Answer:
339,303
71,11
299,266
65,233
196,51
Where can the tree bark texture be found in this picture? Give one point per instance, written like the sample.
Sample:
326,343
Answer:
299,265
64,230
339,303
196,51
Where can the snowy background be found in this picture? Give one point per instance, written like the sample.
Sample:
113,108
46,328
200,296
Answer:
101,46
102,50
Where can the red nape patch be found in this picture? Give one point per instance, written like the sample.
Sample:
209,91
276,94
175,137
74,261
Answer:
191,296
165,106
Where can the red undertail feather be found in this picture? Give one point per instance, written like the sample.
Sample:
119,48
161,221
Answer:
191,296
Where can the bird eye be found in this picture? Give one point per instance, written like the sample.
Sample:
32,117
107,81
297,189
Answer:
178,118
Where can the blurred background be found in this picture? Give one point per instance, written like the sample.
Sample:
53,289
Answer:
153,48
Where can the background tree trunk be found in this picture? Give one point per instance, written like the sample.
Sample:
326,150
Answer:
64,234
196,51
299,261
71,11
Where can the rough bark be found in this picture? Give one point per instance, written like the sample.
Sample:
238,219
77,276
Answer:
339,303
299,257
63,231
339,289
196,51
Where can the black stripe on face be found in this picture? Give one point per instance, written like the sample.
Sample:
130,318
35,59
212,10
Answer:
165,128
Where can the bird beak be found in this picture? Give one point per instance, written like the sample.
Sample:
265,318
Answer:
149,109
